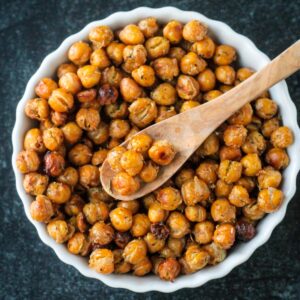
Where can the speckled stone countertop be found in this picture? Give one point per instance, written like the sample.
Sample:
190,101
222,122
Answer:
29,30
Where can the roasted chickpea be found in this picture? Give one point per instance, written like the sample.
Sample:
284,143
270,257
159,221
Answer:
177,53
255,143
135,251
132,205
225,74
74,206
111,76
203,232
269,126
134,57
235,135
207,171
79,53
41,209
142,112
162,152
72,132
194,31
80,155
156,213
144,76
184,175
79,244
101,36
149,172
140,225
130,90
204,48
54,164
60,230
187,87
53,138
216,253
154,243
45,87
192,64
97,194
230,171
58,192
89,176
239,196
251,164
66,68
178,224
99,157
268,177
122,239
61,100
143,267
157,46
196,258
244,73
131,35
88,119
99,59
94,212
35,183
165,112
166,68
230,153
265,108
89,75
194,191
37,109
58,119
189,104
121,218
33,140
173,31
195,213
132,162
212,94
224,55
222,211
148,200
269,200
164,94
117,110
207,80
243,116
115,52
282,137
101,234
176,245
114,158
124,184
119,128
224,235
248,183
277,158
210,146
140,143
169,198
70,82
168,269
222,189
102,261
252,211
148,26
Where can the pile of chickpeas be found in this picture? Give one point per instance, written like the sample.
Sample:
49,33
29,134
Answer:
116,84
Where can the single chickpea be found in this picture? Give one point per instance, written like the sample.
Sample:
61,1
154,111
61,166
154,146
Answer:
230,171
244,73
140,225
149,172
54,164
164,94
192,64
148,27
282,137
269,126
100,134
225,74
35,183
148,200
194,191
253,212
115,52
184,175
94,212
277,158
101,234
140,143
100,59
79,53
135,251
173,31
162,152
187,87
57,118
119,128
251,164
154,244
255,124
70,82
121,218
74,206
102,261
80,155
204,48
124,184
101,36
196,213
255,143
248,183
169,198
88,119
134,57
230,153
270,199
216,253
165,112
87,96
72,132
268,177
143,267
156,213
60,230
89,76
166,68
265,108
207,80
196,258
189,104
114,158
224,235
178,224
33,140
41,209
96,194
89,176
168,269
222,189
157,46
131,35
53,138
176,245
130,90
243,116
78,244
45,87
212,94
61,100
112,76
177,53
37,109
224,55
210,146
142,112
208,171
99,157
58,192
144,76
194,31
239,196
203,232
121,239
117,110
235,135
132,162
132,205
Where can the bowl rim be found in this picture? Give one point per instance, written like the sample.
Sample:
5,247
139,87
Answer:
127,281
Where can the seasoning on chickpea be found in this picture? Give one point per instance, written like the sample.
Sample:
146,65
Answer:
162,152
121,218
194,31
224,55
124,184
61,100
45,87
224,235
101,36
166,68
102,261
79,53
187,87
41,209
131,35
135,251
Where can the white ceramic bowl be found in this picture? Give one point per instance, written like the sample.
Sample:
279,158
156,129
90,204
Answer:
249,56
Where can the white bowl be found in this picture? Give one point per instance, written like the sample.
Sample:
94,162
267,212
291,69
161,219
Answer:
249,56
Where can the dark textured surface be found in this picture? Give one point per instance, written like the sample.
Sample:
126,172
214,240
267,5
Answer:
29,30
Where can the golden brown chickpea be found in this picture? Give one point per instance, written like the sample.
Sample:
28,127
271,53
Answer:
53,138
140,225
194,31
144,76
265,108
72,132
157,46
210,146
35,183
89,176
89,76
282,137
124,184
100,134
166,68
54,164
222,189
148,200
61,100
212,94
230,153
216,253
66,68
169,198
87,96
156,213
132,205
101,234
132,162
178,224
70,82
187,87
247,182
244,73
208,171
115,52
114,158
164,94
97,194
134,57
268,177
60,230
57,118
177,53
243,116
79,53
203,232
149,172
116,110
239,196
162,152
225,74
235,135
74,206
148,26
269,126
270,199
187,105
101,36
168,269
204,48
33,140
196,258
130,90
111,76
224,55
102,261
58,192
119,128
165,112
207,80
255,124
27,161
99,157
192,64
131,35
45,87
154,244
176,245
37,109
140,143
255,143
173,31
78,244
195,213
230,171
224,235
135,251
121,218
121,267
222,211
41,209
253,212
88,119
80,155
94,212
277,158
251,164
142,112
194,190
143,267
184,175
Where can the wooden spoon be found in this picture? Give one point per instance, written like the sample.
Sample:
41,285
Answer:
188,130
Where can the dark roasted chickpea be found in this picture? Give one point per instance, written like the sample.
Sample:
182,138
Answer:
169,198
27,161
134,57
248,183
37,109
277,158
168,269
61,100
143,267
99,157
203,232
114,158
265,108
225,74
79,53
101,234
187,87
112,76
184,175
253,212
269,126
140,225
102,261
222,189
33,140
235,135
124,184
94,212
148,26
166,68
79,244
269,200
216,253
45,87
74,206
132,162
207,80
196,258
41,209
204,48
70,82
212,94
165,112
130,90
268,177
251,164
149,172
58,192
154,244
89,76
178,224
164,94
131,35
192,64
89,176
156,213
157,46
53,138
54,164
230,171
66,68
224,55
101,36
88,119
144,76
135,251
194,31
230,153
224,235
195,213
80,155
35,183
60,230
177,53
208,171
173,31
121,239
162,152
222,211
142,112
119,128
194,191
239,196
282,137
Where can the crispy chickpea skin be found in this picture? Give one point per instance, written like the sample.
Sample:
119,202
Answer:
155,212
255,143
143,267
270,199
27,161
117,110
78,244
37,109
178,224
251,164
54,164
207,80
269,126
212,94
282,137
149,172
101,234
140,225
53,138
253,212
148,26
204,48
60,230
166,68
157,46
132,205
173,31
224,55
61,101
121,218
33,140
235,135
265,108
169,198
164,94
94,212
114,158
72,132
99,59
268,177
187,87
230,153
70,82
131,35
132,162
277,158
192,64
79,53
225,74
101,36
135,251
144,75
80,155
210,146
196,258
203,232
194,31
196,213
224,235
243,116
165,112
74,206
45,87
208,171
162,152
88,119
134,57
239,196
89,176
230,171
102,261
35,183
89,75
222,189
216,253
124,184
154,244
115,52
184,175
222,211
41,209
99,157
119,128
66,68
130,90
169,269
140,143
58,192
